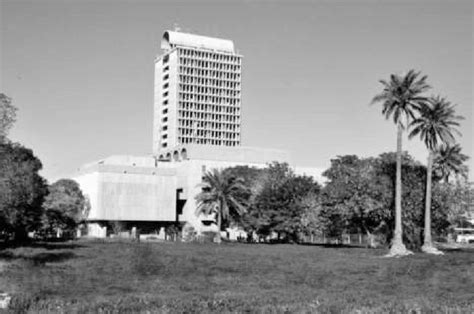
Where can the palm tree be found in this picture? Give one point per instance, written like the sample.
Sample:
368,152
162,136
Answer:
221,194
449,160
435,125
401,96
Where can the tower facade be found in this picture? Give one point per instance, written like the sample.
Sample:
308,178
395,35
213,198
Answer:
197,93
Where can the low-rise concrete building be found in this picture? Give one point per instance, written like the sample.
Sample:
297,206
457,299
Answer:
151,193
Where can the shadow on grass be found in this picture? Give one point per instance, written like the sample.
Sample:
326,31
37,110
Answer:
335,246
38,258
56,245
323,245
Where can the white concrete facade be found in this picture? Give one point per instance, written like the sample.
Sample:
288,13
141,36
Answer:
144,189
197,92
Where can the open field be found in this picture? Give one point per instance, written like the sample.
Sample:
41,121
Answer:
180,277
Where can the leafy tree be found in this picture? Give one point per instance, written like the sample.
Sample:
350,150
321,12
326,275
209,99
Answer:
400,97
261,210
313,220
220,195
449,160
292,197
280,205
358,194
7,116
435,125
359,197
450,206
22,190
64,207
413,183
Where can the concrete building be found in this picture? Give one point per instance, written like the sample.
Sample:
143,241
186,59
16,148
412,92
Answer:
197,93
197,119
149,193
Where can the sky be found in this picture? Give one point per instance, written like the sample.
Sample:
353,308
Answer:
81,72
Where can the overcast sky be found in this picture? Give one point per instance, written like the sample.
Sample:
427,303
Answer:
81,72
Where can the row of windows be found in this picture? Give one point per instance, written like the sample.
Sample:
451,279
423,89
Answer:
196,90
207,133
220,75
209,99
201,121
219,142
218,84
202,105
209,65
209,126
188,106
164,119
205,55
208,116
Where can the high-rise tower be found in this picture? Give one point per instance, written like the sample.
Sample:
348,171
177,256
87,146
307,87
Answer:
197,92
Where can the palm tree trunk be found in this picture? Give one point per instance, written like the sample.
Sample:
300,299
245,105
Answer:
427,243
219,224
427,236
398,248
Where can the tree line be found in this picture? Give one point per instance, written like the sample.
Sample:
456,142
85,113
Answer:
27,202
364,194
358,197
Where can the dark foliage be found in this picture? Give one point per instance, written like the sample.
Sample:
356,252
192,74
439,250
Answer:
360,197
64,207
22,190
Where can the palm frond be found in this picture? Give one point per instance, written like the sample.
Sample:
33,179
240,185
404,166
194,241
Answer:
402,96
436,124
221,194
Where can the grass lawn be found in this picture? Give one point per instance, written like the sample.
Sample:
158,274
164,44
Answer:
181,277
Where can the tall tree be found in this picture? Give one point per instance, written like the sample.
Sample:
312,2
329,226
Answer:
435,125
221,194
413,188
22,190
253,179
401,96
7,116
449,160
265,203
64,207
358,193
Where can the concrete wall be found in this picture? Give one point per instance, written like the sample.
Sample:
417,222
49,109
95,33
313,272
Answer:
119,191
136,197
172,99
241,154
138,188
